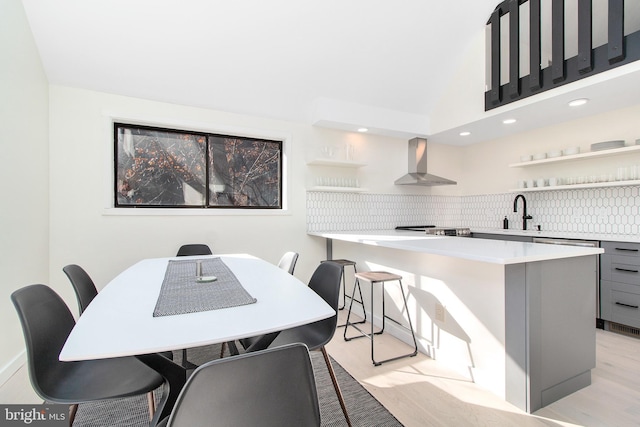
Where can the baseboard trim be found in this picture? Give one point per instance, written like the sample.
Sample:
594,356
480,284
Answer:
12,367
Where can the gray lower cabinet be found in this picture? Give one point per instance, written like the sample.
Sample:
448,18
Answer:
620,283
549,333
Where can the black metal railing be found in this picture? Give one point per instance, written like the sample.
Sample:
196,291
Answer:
618,50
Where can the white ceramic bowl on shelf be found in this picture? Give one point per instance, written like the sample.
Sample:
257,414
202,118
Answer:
554,153
607,145
570,151
540,156
526,158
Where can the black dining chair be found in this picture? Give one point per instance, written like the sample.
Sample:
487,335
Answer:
270,388
82,284
325,281
46,323
86,291
194,249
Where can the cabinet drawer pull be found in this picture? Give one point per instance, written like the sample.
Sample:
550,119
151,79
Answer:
626,269
626,249
627,305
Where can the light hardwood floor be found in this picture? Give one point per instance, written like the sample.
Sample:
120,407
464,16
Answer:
422,392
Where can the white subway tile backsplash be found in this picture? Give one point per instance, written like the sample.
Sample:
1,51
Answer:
594,210
366,211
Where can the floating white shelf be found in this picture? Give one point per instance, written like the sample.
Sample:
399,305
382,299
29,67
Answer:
336,163
574,186
339,189
589,155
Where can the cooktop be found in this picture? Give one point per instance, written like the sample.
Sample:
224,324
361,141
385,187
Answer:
438,231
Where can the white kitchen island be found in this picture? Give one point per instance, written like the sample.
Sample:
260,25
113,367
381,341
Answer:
517,318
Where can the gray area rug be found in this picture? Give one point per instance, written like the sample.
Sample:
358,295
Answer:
364,410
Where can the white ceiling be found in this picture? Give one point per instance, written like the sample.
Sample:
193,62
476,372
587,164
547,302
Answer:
273,58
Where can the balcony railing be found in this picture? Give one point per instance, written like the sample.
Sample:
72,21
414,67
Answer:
538,45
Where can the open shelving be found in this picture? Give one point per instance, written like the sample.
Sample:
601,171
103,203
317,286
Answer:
588,155
338,189
577,186
326,162
581,156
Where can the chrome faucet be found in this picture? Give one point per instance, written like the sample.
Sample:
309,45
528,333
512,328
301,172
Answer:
525,217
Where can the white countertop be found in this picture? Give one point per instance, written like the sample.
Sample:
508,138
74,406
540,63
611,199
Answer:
492,251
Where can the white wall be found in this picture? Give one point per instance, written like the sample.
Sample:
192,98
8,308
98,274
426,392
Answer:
83,232
485,165
385,161
24,215
463,99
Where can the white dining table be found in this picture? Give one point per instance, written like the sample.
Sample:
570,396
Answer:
120,322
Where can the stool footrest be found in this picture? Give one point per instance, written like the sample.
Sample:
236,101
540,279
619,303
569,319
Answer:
378,363
363,334
352,323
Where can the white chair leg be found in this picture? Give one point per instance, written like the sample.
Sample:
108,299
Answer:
152,404
72,413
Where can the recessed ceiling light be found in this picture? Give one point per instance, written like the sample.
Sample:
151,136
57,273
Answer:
509,121
362,129
465,133
578,102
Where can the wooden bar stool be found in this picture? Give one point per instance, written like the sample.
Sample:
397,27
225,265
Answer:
348,263
375,277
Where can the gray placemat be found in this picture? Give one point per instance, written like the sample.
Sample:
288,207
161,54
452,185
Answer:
181,293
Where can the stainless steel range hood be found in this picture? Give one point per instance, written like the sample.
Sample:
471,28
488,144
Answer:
418,167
